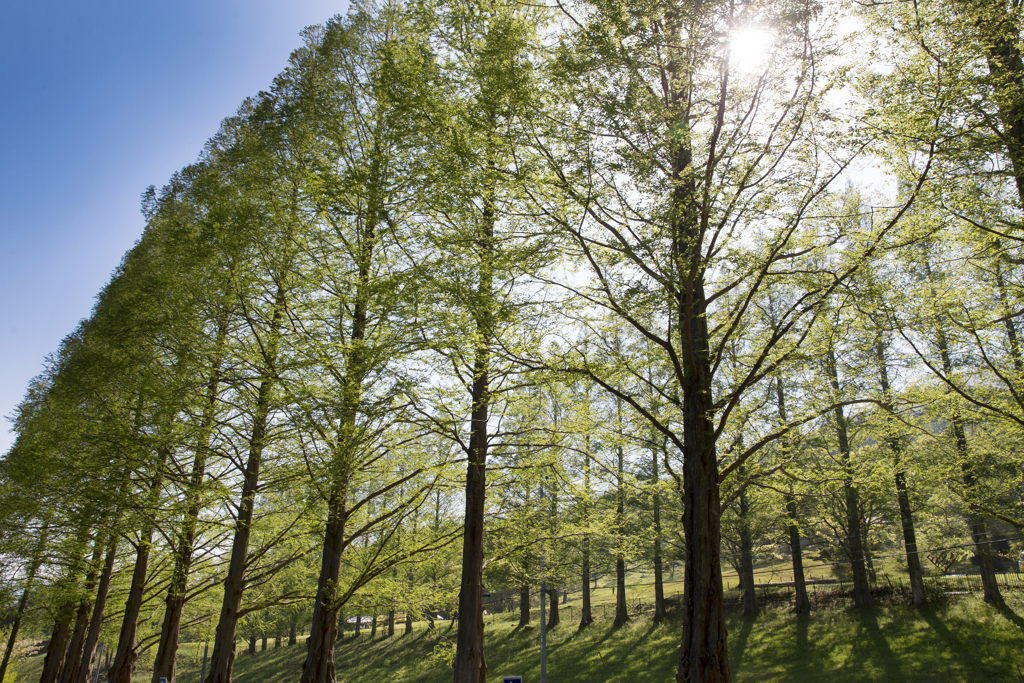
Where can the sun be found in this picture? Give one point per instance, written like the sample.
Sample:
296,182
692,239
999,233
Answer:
749,49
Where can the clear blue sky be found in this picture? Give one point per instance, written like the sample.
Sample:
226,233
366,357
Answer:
98,100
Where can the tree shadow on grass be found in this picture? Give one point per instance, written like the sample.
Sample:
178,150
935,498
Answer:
1010,615
953,643
878,648
739,645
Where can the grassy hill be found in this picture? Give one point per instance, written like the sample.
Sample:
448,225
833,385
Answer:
961,639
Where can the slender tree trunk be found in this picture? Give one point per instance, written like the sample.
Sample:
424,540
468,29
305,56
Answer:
746,556
123,667
659,582
902,495
391,623
292,637
621,610
586,616
975,520
470,665
57,646
319,665
73,658
165,661
854,535
801,604
223,657
33,567
323,634
524,604
92,638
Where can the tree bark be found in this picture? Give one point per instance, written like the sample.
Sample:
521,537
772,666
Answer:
553,618
92,638
323,633
223,657
33,567
801,604
975,517
165,661
902,495
746,556
470,665
703,651
586,616
659,582
73,658
621,610
854,535
123,668
524,604
57,646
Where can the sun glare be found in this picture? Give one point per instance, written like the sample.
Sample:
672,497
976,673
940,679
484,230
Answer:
749,49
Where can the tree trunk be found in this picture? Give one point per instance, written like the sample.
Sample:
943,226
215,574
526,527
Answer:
902,495
746,556
57,646
703,651
854,534
659,583
252,644
92,639
621,611
323,633
292,637
976,520
223,657
553,618
1001,36
586,616
391,623
470,665
23,601
801,604
73,658
165,661
123,668
524,604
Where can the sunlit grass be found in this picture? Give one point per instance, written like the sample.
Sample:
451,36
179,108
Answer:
961,640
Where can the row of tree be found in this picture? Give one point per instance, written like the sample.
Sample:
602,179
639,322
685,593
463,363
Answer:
533,278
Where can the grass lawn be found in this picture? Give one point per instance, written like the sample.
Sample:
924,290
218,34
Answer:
960,640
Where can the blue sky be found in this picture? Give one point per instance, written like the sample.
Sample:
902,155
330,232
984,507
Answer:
98,100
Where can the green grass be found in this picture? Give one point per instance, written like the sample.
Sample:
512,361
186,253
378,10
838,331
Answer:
962,640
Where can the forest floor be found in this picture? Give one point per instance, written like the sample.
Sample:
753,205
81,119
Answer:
958,639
